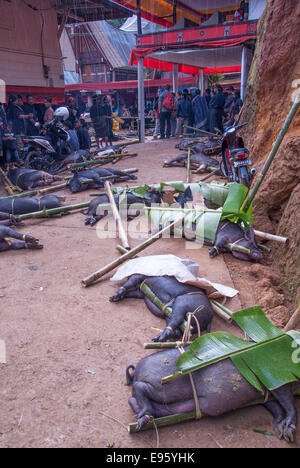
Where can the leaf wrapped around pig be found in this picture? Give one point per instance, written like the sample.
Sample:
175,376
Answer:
268,361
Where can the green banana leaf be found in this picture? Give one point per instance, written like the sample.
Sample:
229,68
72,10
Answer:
267,362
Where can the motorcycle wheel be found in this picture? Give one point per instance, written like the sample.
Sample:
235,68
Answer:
35,161
223,169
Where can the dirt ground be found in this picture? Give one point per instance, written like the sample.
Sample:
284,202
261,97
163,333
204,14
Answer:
68,347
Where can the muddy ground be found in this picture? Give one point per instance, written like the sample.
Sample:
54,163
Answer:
68,347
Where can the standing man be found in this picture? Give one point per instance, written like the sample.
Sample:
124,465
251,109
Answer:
17,116
216,109
200,110
228,100
165,107
74,113
49,112
183,113
32,124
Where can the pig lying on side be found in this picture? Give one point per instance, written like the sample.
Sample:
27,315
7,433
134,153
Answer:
220,388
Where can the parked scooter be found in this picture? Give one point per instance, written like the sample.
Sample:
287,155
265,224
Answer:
46,152
235,157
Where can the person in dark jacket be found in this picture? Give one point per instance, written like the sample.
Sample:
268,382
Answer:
16,115
97,113
183,113
109,122
216,109
32,123
83,135
229,100
200,110
74,113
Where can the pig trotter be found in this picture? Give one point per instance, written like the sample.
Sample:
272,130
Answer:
118,296
164,336
214,251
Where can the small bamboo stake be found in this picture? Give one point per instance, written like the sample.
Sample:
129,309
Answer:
220,311
208,176
188,167
294,320
53,211
9,185
264,248
272,154
271,237
164,421
108,268
167,345
52,188
122,233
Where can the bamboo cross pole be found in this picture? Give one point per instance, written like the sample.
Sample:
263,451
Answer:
122,233
198,130
53,211
127,171
271,237
207,176
102,160
114,264
294,320
272,154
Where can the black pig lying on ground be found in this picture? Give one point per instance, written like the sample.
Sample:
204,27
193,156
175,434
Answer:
183,298
94,210
18,206
8,219
198,159
92,178
28,179
24,241
220,388
232,233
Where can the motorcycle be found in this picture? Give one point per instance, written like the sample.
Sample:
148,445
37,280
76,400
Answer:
235,157
46,152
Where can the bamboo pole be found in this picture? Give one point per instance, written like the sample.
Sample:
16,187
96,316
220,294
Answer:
108,268
294,320
122,233
53,211
271,237
220,311
198,130
102,159
272,154
188,167
127,171
156,301
6,180
167,345
209,175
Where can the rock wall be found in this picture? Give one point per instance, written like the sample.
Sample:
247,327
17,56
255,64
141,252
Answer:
273,83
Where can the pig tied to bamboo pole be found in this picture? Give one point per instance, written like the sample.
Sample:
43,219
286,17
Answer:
111,266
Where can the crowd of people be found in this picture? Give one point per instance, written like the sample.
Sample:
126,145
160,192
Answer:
211,112
171,114
26,119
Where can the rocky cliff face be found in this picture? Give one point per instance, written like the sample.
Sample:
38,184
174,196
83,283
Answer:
273,83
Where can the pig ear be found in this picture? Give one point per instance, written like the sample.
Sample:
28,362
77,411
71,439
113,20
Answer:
188,196
249,235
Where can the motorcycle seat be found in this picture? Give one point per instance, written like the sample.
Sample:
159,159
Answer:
237,151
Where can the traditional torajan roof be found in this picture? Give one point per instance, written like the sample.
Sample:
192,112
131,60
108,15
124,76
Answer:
90,10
